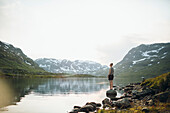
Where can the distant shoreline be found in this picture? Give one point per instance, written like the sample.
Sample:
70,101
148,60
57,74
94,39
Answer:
59,75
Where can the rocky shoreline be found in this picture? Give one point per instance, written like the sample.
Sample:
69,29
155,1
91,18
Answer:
146,96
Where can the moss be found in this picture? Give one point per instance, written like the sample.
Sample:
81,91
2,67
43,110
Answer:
161,82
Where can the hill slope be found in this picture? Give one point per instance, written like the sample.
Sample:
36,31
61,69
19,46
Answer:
72,67
145,60
14,61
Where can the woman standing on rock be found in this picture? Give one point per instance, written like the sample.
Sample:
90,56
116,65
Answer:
111,75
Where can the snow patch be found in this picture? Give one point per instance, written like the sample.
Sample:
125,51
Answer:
126,59
165,53
28,63
146,54
41,65
163,57
18,54
134,62
6,47
149,64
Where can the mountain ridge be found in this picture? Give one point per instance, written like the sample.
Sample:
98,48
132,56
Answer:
148,60
72,67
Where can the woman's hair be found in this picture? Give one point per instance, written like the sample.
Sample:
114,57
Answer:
111,64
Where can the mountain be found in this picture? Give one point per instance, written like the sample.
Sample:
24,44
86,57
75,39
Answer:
72,67
14,61
145,61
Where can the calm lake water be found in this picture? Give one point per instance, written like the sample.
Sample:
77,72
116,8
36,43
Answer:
52,95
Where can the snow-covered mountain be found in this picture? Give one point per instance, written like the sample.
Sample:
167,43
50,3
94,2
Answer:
145,60
72,67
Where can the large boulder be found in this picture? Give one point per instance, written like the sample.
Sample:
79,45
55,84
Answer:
111,94
122,103
106,101
87,108
75,110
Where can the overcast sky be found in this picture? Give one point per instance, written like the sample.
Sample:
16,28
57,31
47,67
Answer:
98,30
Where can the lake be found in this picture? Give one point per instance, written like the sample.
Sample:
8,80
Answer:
52,95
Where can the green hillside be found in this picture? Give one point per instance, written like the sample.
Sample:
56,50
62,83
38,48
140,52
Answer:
14,61
160,83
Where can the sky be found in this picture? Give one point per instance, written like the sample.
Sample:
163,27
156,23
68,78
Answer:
97,30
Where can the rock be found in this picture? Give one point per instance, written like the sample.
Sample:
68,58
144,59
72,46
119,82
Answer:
129,92
107,105
106,101
134,91
150,102
141,94
77,107
87,108
162,97
127,89
122,103
98,105
130,85
76,110
115,99
121,97
128,95
145,110
93,104
120,89
137,87
111,94
115,88
143,79
126,102
138,83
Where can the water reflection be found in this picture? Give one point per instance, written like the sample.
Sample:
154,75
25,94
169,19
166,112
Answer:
22,86
19,87
71,85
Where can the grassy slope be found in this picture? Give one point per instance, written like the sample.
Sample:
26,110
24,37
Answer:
161,82
13,62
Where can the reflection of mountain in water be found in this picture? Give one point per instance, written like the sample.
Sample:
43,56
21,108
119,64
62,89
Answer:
50,86
71,85
21,87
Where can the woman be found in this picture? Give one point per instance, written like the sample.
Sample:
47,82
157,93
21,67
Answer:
111,75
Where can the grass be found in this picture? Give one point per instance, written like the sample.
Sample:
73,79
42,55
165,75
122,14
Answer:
48,75
161,82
